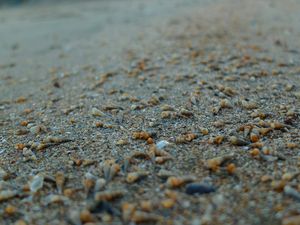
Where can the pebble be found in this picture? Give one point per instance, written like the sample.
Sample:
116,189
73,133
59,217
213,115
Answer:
216,162
136,176
162,144
164,174
174,182
142,217
291,192
53,198
292,220
163,159
108,195
3,174
248,104
97,112
238,141
86,216
101,206
167,108
100,184
28,154
110,169
21,132
60,181
36,183
38,129
168,203
199,188
225,103
7,194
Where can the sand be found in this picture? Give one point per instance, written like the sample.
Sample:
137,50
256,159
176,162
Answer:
157,112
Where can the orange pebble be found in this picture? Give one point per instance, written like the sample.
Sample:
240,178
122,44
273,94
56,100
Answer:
150,141
20,146
24,123
255,152
254,137
231,168
168,203
10,210
291,145
146,206
86,216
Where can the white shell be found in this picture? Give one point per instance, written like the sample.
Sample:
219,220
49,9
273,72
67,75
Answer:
162,144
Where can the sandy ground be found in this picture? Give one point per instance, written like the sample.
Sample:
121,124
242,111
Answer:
158,112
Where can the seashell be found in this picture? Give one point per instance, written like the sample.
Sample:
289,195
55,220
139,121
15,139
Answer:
36,183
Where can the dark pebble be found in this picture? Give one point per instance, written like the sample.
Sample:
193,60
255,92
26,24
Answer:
102,206
198,188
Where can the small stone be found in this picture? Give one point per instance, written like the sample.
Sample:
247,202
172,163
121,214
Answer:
214,163
164,174
168,203
186,113
292,220
122,142
100,184
146,205
166,108
97,112
291,192
3,174
225,103
10,210
36,183
162,144
143,217
7,194
297,94
248,105
38,129
231,168
53,198
108,195
238,141
20,222
86,216
136,176
175,182
204,131
22,132
198,188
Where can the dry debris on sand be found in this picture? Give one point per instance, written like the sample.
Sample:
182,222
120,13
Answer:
191,117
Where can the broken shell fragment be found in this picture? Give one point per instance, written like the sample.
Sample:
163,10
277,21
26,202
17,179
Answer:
164,174
162,159
248,104
238,141
174,182
127,211
108,195
60,181
52,198
100,184
214,163
97,112
36,183
142,217
136,176
162,144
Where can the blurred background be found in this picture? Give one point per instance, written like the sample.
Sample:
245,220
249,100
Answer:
16,3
